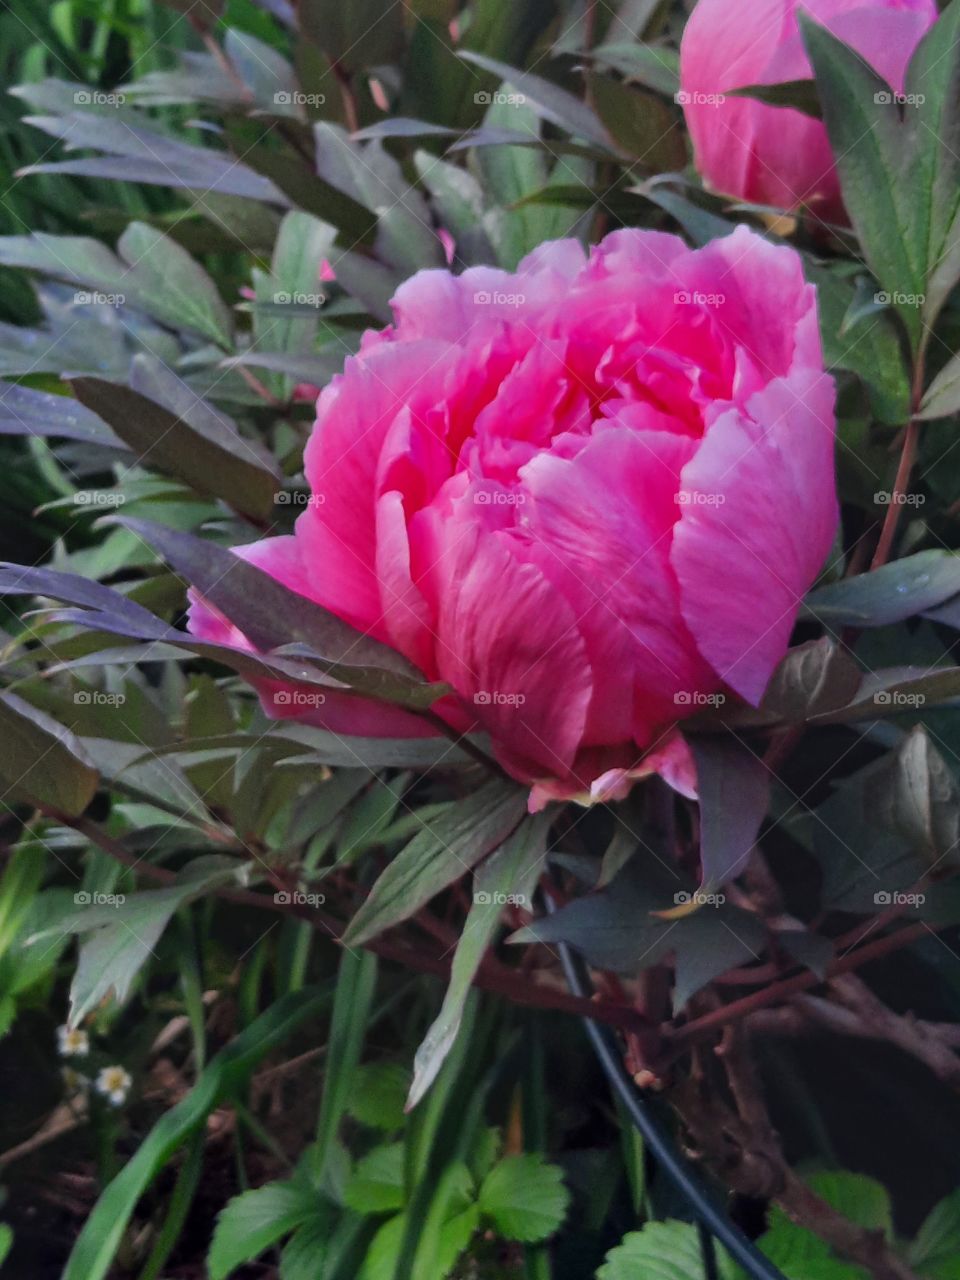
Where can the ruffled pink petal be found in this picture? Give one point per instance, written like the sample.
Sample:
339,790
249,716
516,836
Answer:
759,518
508,643
600,528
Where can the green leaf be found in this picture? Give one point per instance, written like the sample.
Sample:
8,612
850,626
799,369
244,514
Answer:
938,1240
734,792
376,1184
364,33
624,926
800,95
378,1095
123,932
138,154
302,244
6,1241
356,985
252,1222
661,1251
814,678
172,286
898,162
510,874
917,796
642,124
866,133
861,1199
305,1253
104,1229
24,411
41,762
448,845
942,398
888,594
550,101
272,617
653,66
524,1197
870,349
451,1219
208,455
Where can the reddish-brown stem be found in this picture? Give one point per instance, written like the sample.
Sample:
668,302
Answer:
908,456
709,1023
347,97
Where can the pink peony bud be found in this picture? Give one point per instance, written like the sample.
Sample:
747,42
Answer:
776,155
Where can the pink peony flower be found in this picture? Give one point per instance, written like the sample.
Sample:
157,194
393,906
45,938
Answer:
775,155
588,496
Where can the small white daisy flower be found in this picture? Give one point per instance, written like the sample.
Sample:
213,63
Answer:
114,1084
72,1042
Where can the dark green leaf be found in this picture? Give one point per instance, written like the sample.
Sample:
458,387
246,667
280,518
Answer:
734,791
888,594
171,286
653,66
271,616
41,762
917,796
24,411
449,845
549,100
942,398
197,447
364,33
509,875
800,95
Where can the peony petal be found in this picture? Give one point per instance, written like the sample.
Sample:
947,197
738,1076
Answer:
509,646
600,528
759,518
